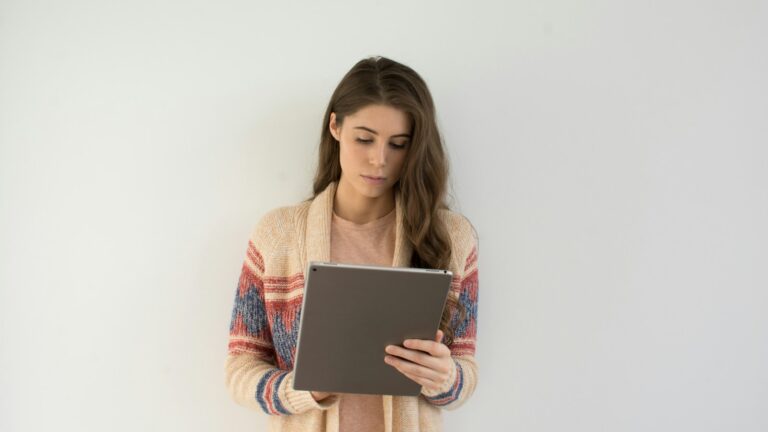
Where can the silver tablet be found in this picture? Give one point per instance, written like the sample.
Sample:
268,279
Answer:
350,313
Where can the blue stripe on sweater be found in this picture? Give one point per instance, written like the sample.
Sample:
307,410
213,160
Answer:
276,395
260,391
453,395
461,378
261,388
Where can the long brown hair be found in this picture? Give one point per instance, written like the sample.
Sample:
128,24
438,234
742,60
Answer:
423,182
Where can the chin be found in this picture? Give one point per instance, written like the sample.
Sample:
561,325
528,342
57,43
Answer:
373,191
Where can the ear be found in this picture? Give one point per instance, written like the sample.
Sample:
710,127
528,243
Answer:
332,127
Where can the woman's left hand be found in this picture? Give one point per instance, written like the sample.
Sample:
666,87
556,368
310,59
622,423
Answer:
427,362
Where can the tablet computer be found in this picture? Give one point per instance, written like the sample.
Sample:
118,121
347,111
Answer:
350,313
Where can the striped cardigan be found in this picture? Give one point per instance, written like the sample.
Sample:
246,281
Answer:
267,309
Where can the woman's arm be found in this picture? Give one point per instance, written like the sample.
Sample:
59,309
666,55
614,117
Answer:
251,376
448,375
259,385
426,362
447,381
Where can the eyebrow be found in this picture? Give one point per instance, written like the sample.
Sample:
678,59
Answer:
376,133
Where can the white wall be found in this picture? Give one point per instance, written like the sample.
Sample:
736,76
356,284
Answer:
611,154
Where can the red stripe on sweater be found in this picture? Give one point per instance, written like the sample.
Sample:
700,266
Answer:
462,348
268,390
241,346
255,256
248,278
283,305
471,259
284,283
469,283
287,310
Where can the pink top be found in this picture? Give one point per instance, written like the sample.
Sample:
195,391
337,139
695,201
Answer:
369,243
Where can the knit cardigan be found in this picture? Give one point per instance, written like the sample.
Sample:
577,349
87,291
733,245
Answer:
267,309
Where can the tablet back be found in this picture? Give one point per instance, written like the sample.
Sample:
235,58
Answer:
350,313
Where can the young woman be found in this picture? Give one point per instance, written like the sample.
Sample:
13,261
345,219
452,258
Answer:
378,199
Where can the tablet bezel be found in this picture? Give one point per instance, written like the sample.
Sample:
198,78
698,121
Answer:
337,323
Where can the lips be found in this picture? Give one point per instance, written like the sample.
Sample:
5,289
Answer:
374,181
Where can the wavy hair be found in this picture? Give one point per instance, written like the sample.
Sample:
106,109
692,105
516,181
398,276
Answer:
423,182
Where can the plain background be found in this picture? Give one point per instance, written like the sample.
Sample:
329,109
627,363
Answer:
612,156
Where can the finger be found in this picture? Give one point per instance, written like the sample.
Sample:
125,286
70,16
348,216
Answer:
414,369
418,357
406,368
437,349
439,337
424,382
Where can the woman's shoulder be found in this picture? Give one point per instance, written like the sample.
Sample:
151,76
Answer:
278,225
463,234
457,223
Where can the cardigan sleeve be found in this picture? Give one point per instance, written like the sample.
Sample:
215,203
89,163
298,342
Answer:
463,380
251,376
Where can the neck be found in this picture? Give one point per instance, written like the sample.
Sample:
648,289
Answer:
360,209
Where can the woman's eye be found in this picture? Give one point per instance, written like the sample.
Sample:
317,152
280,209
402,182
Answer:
368,141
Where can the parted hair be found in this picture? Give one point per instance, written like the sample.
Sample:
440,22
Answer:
423,182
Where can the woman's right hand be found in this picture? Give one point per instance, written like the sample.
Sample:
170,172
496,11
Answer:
319,395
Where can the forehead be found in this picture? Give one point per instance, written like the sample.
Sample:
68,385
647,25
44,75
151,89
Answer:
384,119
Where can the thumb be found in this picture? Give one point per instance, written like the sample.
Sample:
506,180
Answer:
439,337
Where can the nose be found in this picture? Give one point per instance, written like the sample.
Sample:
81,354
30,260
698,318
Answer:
378,154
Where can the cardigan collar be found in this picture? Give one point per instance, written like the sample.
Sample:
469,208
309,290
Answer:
318,230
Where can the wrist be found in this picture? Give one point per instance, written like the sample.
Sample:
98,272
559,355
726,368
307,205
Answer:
318,396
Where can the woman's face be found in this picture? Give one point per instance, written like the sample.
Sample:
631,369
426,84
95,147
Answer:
373,143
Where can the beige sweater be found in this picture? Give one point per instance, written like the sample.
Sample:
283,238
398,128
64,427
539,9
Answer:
266,312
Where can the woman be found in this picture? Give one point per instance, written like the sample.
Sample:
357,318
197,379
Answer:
378,199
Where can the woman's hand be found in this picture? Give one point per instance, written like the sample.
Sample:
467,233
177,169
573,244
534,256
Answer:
318,396
427,362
